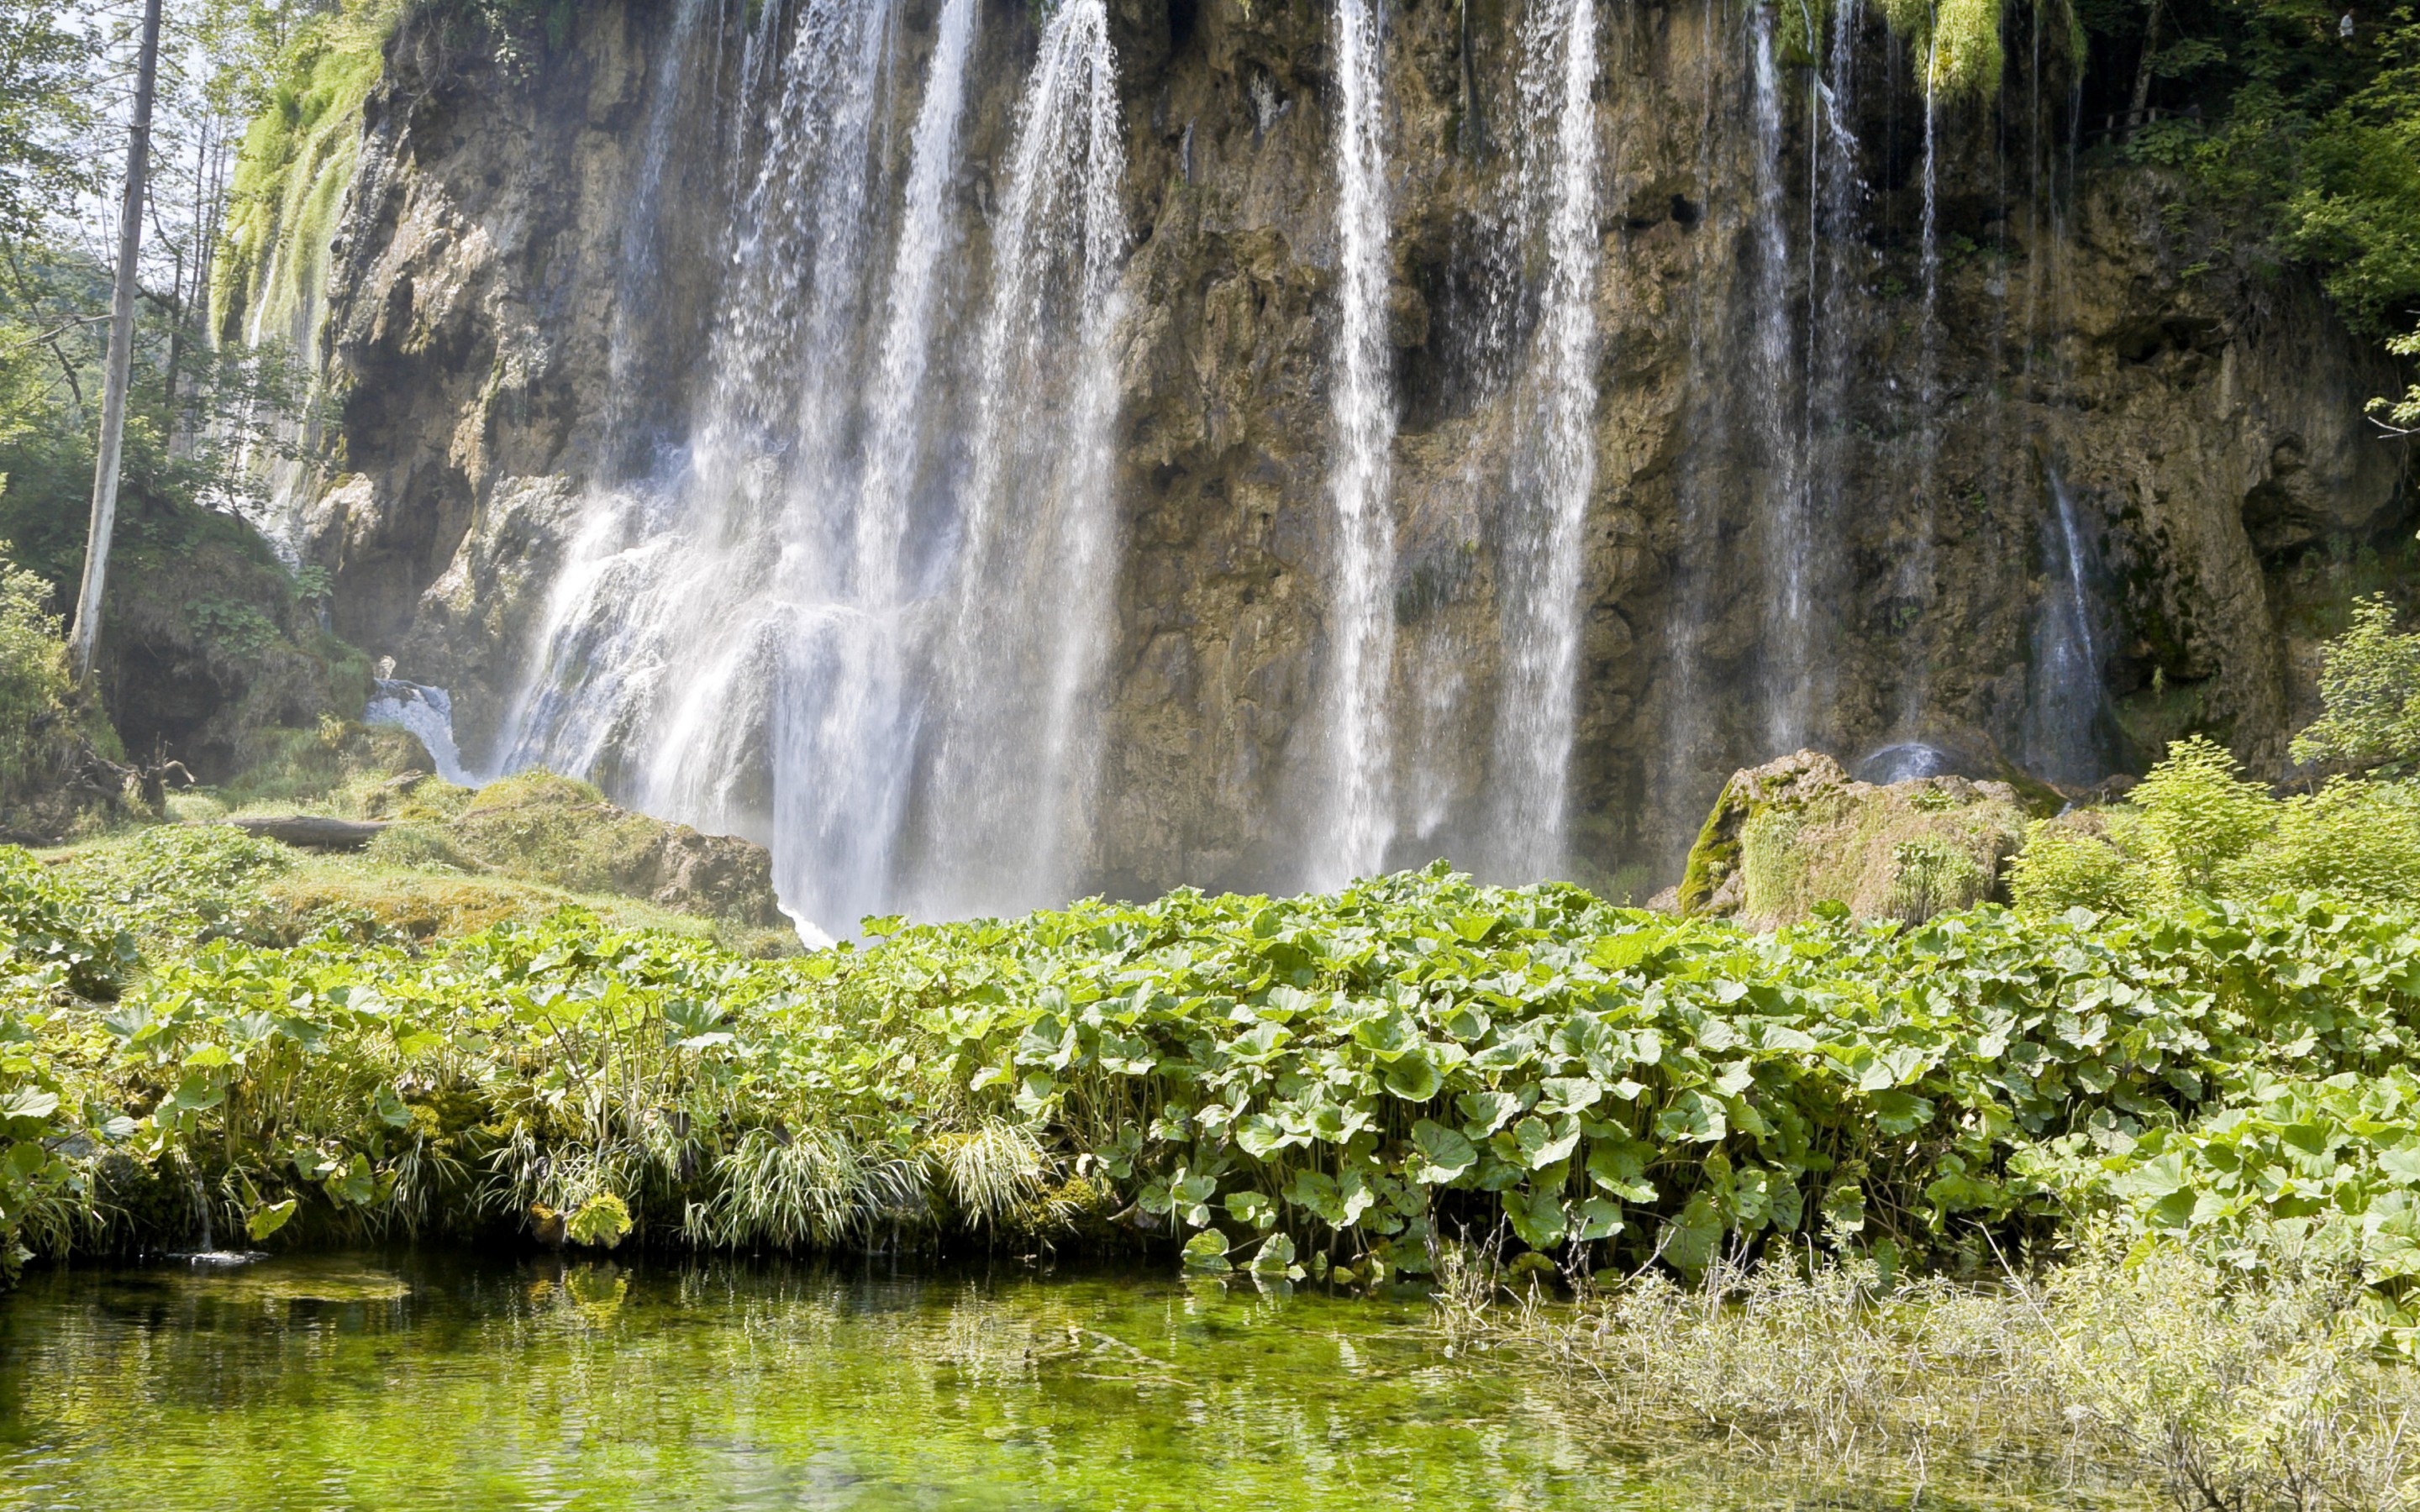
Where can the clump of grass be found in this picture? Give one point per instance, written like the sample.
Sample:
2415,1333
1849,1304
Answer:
2143,1366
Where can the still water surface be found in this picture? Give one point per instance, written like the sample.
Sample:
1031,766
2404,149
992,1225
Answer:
422,1382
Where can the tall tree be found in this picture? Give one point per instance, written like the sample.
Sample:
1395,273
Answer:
86,634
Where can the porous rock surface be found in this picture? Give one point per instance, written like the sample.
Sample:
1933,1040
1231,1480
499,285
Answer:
2208,418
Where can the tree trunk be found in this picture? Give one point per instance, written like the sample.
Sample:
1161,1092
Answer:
313,831
2143,69
121,357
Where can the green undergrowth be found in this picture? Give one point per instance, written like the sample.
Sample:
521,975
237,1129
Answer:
1337,1083
174,888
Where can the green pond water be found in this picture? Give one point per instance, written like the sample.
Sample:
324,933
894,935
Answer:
423,1382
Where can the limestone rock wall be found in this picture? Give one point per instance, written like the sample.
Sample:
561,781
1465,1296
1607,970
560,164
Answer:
493,365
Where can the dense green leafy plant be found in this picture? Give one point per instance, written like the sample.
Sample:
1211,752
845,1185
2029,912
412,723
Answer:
56,933
34,685
2197,816
1355,1075
2195,830
2370,686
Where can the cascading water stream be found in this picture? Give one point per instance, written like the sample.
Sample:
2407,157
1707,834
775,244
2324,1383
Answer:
2067,707
1357,821
1031,620
813,629
1543,609
1913,588
1790,610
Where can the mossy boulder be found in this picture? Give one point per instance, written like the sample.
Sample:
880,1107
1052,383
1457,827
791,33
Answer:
553,829
1798,831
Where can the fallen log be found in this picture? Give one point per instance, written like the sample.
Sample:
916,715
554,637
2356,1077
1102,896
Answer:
312,831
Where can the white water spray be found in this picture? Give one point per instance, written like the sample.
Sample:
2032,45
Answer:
1790,613
1032,617
1543,611
1357,811
775,636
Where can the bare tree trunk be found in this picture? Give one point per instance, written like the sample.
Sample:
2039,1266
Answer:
86,634
2143,67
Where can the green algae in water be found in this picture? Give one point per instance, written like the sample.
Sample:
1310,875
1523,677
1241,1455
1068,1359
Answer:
408,1382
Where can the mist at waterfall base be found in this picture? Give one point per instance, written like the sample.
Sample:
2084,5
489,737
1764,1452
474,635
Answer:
857,598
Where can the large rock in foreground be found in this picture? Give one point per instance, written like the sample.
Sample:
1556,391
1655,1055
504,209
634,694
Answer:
1799,831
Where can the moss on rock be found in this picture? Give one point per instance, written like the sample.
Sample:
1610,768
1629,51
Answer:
1796,832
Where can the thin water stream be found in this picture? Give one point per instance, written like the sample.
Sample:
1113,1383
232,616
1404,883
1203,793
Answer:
1361,629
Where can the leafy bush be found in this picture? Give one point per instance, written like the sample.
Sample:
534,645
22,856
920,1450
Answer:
2369,683
34,685
2064,866
172,882
2197,816
2195,831
1360,1075
2350,840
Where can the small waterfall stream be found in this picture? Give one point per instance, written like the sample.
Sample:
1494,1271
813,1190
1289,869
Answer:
2067,712
1789,610
1030,626
1356,814
1543,611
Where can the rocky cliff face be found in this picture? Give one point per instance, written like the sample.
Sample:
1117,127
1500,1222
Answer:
1958,440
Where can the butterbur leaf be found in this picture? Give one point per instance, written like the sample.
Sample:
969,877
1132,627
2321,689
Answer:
1537,1217
1689,1242
392,1109
1275,1256
1207,1251
29,1102
1898,1112
1568,1094
1261,1137
1484,1113
269,1220
1251,1208
1316,1192
1596,1218
1388,1036
1414,1079
1440,1153
1542,1143
1621,1169
1693,1117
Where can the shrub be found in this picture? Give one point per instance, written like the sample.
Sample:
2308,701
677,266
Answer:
2064,866
2369,685
2197,816
52,933
2352,839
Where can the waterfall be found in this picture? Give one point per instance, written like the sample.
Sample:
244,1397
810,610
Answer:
2066,709
1543,611
1915,573
1835,271
642,229
807,626
1357,819
1033,616
1789,629
429,714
